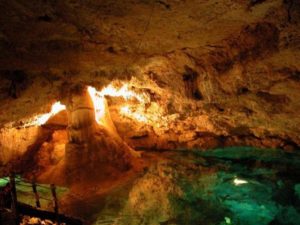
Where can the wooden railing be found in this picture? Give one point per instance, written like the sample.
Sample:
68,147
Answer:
17,207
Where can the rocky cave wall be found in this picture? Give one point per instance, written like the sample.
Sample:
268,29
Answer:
214,73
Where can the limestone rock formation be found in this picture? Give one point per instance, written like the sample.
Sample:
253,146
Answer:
91,147
87,86
211,73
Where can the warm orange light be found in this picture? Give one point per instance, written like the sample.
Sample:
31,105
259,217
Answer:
121,92
125,110
98,98
56,108
98,101
43,118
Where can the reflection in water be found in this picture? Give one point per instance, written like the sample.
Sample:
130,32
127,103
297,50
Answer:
241,186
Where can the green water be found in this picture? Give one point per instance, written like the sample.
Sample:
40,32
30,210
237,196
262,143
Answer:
238,186
251,187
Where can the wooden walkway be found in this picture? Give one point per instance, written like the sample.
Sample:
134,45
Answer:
11,208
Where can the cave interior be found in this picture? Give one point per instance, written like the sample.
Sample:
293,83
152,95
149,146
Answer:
150,112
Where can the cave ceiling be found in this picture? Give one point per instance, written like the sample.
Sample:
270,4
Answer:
98,33
213,68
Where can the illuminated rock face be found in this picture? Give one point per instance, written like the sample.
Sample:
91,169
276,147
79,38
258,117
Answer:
16,142
92,150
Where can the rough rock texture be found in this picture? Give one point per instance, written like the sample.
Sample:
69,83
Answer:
15,143
213,73
91,147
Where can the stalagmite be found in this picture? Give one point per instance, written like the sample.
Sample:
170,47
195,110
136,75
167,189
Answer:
93,146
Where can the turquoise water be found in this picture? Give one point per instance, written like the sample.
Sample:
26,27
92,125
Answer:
238,186
250,187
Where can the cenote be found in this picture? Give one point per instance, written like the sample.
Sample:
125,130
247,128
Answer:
149,112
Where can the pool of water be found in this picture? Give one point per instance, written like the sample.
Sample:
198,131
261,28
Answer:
240,185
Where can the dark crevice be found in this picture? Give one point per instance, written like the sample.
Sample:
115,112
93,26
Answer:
18,82
242,91
272,98
190,79
164,4
289,4
45,18
255,2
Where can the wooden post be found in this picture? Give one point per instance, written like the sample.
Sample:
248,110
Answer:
14,201
36,195
55,202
